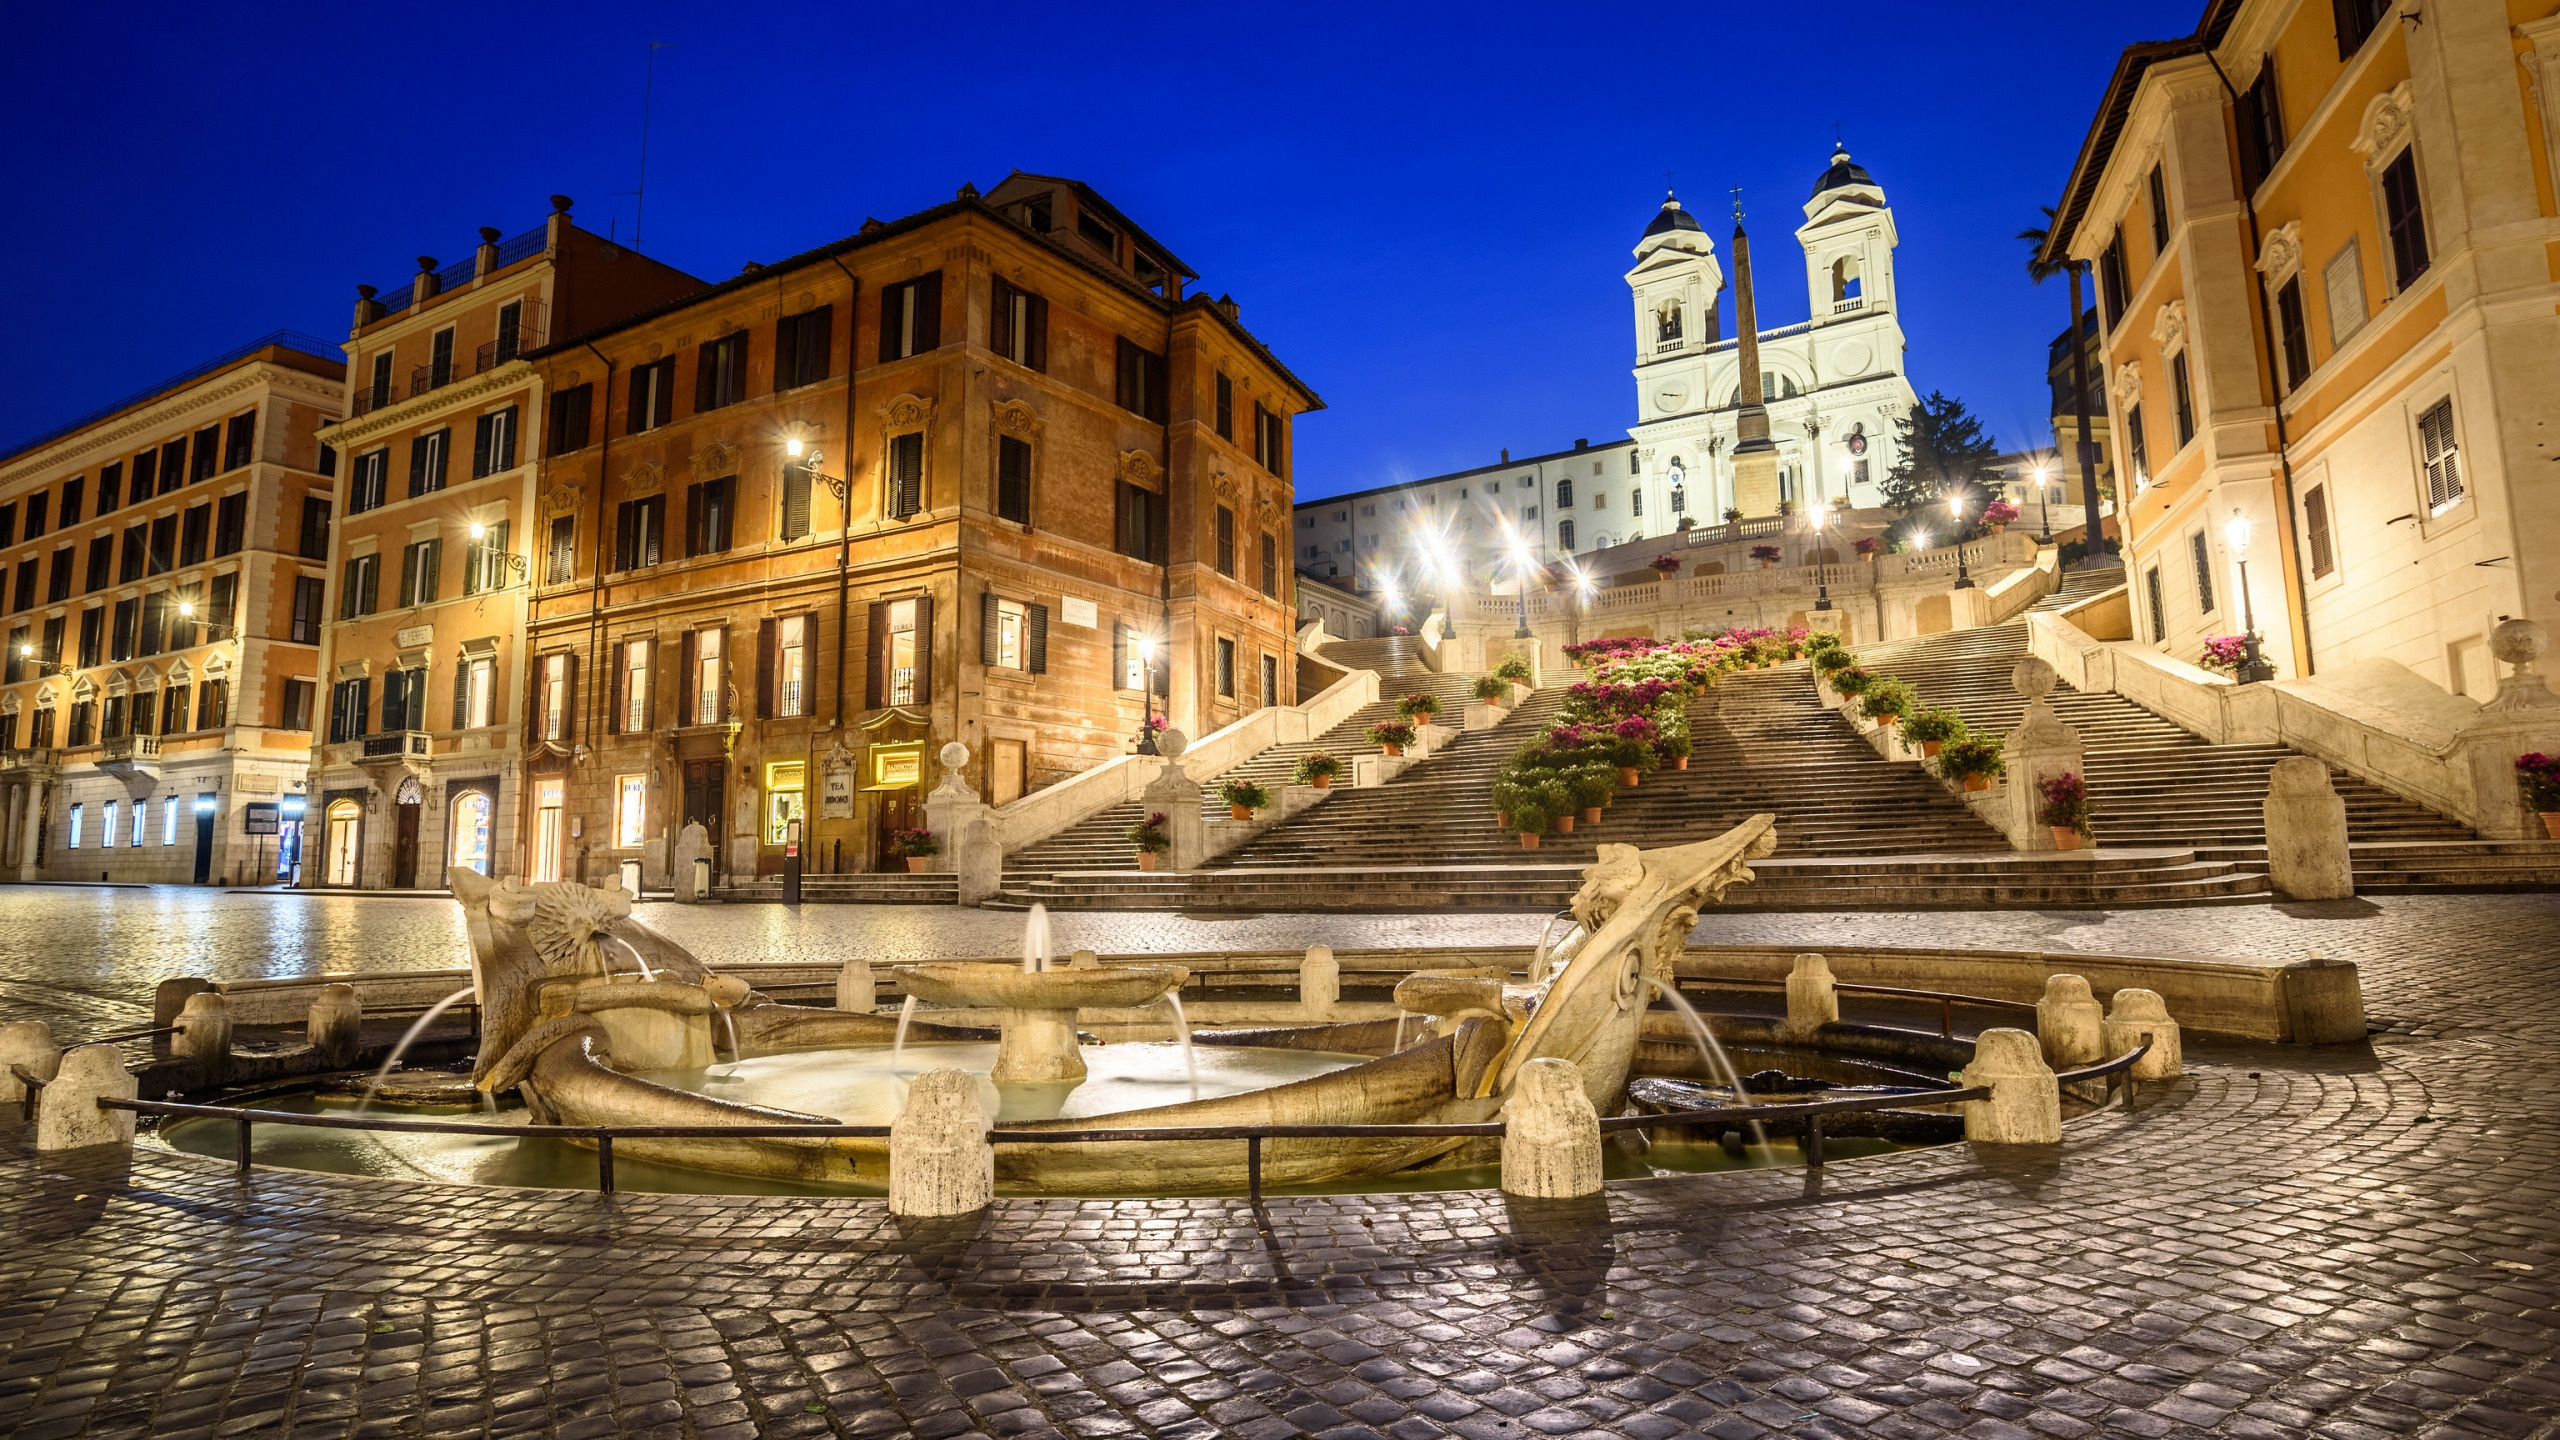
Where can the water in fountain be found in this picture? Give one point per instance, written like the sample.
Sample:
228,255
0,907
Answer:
1545,957
1714,1053
1035,939
647,975
906,1013
402,1048
732,1027
1182,1034
1401,1017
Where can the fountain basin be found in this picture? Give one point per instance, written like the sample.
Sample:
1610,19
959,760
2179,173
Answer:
1037,1008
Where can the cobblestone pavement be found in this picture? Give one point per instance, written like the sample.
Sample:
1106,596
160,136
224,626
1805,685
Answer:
2356,1242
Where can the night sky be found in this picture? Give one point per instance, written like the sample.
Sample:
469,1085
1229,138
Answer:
1426,215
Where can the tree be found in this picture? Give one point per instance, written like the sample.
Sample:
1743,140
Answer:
1943,449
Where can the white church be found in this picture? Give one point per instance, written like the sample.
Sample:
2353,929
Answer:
1832,387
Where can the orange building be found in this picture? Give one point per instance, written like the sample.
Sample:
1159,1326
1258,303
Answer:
162,563
951,478
418,738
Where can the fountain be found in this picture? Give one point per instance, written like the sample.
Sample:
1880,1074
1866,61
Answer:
1038,1007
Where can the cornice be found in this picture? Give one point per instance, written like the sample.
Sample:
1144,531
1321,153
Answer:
112,435
349,433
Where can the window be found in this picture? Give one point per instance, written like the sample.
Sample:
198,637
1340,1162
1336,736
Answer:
2200,551
795,500
213,704
720,373
2261,120
2137,452
475,683
141,821
1267,440
2184,394
471,815
107,832
439,359
110,489
169,820
910,317
37,506
2405,219
13,665
174,704
1530,512
2357,20
381,388
632,700
356,597
708,508
1226,668
298,695
1226,540
1018,326
1679,499
2159,213
901,653
240,441
426,461
26,591
1006,639
2296,334
561,566
2111,279
222,603
706,677
2315,524
1098,235
368,481
1013,479
511,333
1140,383
196,531
653,396
93,639
803,348
553,704
786,798
328,459
173,465
404,700
84,724
145,466
630,811
60,586
163,545
493,443
1635,503
782,666
2443,457
1564,494
70,503
307,601
486,565
572,410
155,622
1137,523
905,480
421,567
1270,565
208,454
1564,534
315,528
75,827
639,527
1226,408
8,525
230,524
112,724
2159,610
348,704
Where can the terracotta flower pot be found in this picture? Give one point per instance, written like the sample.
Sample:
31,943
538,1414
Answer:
1528,841
1146,859
1931,747
1392,749
1322,782
1977,782
2551,823
2065,838
1240,812
1629,775
1679,762
1887,721
915,864
1591,814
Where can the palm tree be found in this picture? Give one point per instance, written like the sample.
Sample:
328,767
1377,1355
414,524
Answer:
2040,269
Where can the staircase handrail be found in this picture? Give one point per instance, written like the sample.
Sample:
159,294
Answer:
2015,591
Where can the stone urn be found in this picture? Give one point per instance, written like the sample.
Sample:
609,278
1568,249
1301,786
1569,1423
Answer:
1037,1008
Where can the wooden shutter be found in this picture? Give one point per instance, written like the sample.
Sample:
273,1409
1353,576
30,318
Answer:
688,684
1119,657
875,686
693,519
727,669
613,685
1124,388
928,311
461,692
372,576
1120,517
1038,648
1000,319
1156,508
2315,516
706,370
1035,351
480,444
893,299
986,627
765,646
924,649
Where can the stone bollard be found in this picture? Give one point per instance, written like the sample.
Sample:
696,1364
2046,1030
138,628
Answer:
1812,1001
2025,1107
1319,982
204,1033
336,1024
2307,856
1551,1136
2140,1015
856,992
28,1043
67,1113
1084,960
2071,1023
939,1160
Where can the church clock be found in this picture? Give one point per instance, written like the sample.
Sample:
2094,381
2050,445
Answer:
1671,396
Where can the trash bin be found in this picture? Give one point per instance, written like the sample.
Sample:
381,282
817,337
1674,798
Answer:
701,877
631,878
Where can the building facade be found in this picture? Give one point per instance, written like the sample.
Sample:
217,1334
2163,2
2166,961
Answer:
163,562
417,747
2321,242
1413,537
976,475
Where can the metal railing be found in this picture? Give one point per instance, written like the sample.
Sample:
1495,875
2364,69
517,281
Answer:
522,247
459,273
398,745
1946,1001
129,747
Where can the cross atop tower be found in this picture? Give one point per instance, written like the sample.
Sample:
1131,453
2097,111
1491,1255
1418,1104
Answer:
1737,202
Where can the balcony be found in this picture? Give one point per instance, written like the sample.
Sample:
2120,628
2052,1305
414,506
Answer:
436,376
42,759
1852,304
130,756
396,747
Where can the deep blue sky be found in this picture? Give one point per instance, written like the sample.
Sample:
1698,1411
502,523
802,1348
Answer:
1424,210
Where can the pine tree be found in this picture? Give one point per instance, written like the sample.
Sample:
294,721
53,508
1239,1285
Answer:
1943,448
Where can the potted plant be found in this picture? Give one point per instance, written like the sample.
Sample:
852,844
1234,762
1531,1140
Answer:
1150,838
1998,514
1418,708
1866,547
1786,508
1594,786
1973,759
1932,728
1513,668
1731,515
2224,653
914,847
1318,770
1530,819
1767,555
1887,701
1665,565
1391,736
1851,680
2065,810
2538,777
1493,690
1243,797
1686,523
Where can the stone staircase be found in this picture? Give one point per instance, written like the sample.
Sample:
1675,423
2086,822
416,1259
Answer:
2079,585
883,888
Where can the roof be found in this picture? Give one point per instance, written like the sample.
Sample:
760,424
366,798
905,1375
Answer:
1504,466
2115,105
1086,195
968,203
1844,172
312,345
1670,218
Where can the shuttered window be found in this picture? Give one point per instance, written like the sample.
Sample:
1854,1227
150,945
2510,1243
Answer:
315,529
1013,479
1137,523
720,373
2261,124
2407,219
2296,333
2185,397
2443,456
652,401
230,524
421,572
901,653
572,411
2315,525
709,507
1226,538
911,317
803,347
363,574
195,532
1013,634
2200,551
1018,326
905,480
639,528
1271,560
1140,387
2159,607
240,441
493,443
795,501
1226,407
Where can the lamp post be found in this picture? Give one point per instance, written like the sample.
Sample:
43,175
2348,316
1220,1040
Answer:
1955,512
516,564
2044,504
1520,569
1821,573
2254,667
1147,695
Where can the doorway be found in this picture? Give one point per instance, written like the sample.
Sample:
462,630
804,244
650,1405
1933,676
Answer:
205,804
473,814
900,809
1006,762
404,841
704,781
344,822
547,828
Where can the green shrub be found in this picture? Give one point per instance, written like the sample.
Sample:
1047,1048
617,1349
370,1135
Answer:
1493,687
1852,681
1593,786
1318,766
1513,667
1418,706
1149,834
1244,793
1887,697
1529,817
1972,755
1391,732
1832,662
1939,724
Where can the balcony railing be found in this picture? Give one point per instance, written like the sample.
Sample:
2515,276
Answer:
526,335
424,378
1843,307
398,745
524,246
33,757
128,748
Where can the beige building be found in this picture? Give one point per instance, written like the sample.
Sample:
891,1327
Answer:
2322,236
162,594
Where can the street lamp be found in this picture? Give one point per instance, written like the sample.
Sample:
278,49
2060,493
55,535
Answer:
1520,568
515,563
2044,504
1147,695
27,653
1821,574
1955,512
2254,667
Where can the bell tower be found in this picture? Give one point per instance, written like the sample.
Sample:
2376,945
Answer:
1848,241
1674,286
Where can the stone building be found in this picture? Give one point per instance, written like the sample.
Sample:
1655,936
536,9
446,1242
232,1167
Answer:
951,478
163,576
2320,239
418,738
1410,536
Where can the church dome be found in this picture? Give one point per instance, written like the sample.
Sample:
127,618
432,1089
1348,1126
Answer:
1672,218
1844,172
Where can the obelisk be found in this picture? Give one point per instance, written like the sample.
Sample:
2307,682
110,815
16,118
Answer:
1755,455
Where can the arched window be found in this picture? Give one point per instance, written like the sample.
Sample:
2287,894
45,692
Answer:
1774,386
471,831
1844,279
1666,324
1564,534
1564,494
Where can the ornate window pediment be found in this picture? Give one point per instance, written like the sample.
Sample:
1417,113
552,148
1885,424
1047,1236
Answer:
1140,468
645,477
2280,257
1016,417
2129,384
906,412
2169,327
715,459
561,499
2385,122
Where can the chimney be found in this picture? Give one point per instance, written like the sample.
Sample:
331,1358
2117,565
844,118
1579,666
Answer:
1506,455
1228,307
423,288
1580,444
485,259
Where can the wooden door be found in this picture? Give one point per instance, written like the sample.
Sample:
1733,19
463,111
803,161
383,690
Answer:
1006,762
404,849
899,810
702,789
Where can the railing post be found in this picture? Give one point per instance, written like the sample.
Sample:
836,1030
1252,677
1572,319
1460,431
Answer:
604,1162
1253,1168
1813,1142
243,1122
1946,1019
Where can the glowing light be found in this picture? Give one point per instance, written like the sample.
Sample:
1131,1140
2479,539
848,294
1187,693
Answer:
478,530
2043,472
2237,532
186,607
1955,506
1146,650
1919,539
792,447
25,651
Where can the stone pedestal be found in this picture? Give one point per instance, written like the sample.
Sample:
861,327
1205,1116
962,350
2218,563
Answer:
692,845
204,1034
857,993
2070,1023
67,1113
1176,796
2307,856
2039,749
965,826
335,1026
1755,480
939,1159
2025,1107
1812,1001
2522,718
28,1043
1039,1047
2139,1015
1084,960
1551,1139
1319,982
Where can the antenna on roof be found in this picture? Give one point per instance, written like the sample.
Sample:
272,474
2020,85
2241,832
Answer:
648,91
